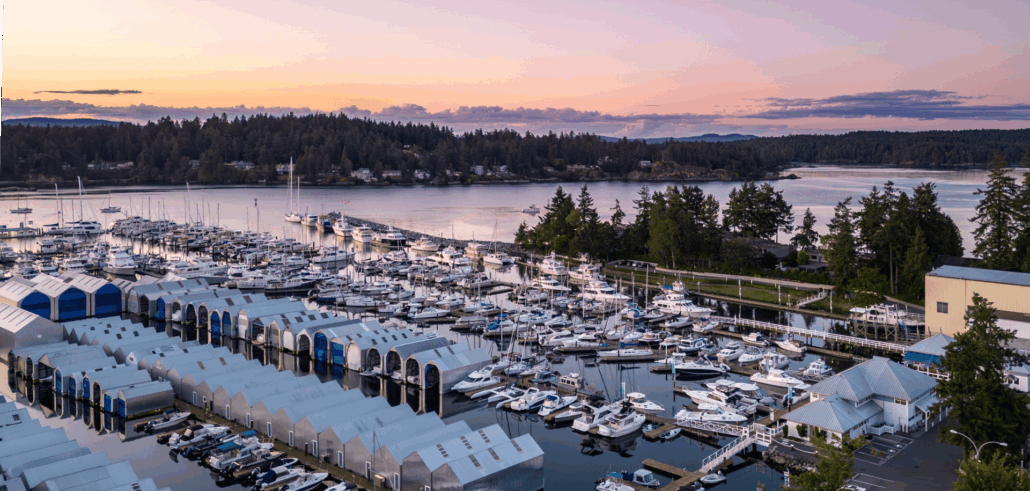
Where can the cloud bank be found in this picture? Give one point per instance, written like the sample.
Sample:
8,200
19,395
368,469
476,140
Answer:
90,92
911,104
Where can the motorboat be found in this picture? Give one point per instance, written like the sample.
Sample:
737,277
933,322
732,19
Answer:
119,262
195,434
574,412
791,346
550,265
778,378
750,355
730,352
277,478
726,397
678,323
641,404
611,484
756,339
170,420
450,256
678,304
594,416
572,381
476,380
363,234
430,313
773,360
507,394
640,477
498,259
623,423
615,355
227,454
532,210
332,256
669,434
554,403
699,368
709,413
551,285
601,291
817,368
708,327
715,478
531,400
885,315
342,229
306,481
425,245
692,346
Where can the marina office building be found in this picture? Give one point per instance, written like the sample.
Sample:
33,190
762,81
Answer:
950,289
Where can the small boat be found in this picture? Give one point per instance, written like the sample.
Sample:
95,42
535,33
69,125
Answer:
710,326
196,434
817,368
778,378
532,210
791,346
611,484
678,323
554,403
509,394
713,478
641,404
709,413
751,354
640,477
171,419
669,434
773,360
531,400
699,368
306,481
731,352
625,422
592,417
476,381
545,377
276,478
756,339
343,486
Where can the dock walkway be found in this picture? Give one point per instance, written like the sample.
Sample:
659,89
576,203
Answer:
811,333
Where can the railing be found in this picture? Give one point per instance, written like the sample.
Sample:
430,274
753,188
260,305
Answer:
720,456
826,336
814,298
720,428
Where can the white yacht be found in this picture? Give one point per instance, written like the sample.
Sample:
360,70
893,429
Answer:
709,413
601,291
75,264
791,346
550,265
474,249
678,304
625,422
450,256
391,238
730,352
550,284
554,403
641,404
586,272
699,368
817,368
363,235
332,256
773,359
476,380
120,262
756,339
198,267
425,245
498,259
885,314
309,220
778,378
593,417
78,228
531,400
342,229
532,210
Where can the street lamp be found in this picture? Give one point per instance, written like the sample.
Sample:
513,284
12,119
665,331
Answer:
976,455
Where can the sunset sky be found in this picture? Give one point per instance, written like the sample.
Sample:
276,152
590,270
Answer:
641,68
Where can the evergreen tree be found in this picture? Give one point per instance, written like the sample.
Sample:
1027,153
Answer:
833,468
996,219
997,473
758,211
806,236
1021,258
841,247
980,404
917,263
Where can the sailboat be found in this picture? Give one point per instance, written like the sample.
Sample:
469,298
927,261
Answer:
110,209
20,210
291,215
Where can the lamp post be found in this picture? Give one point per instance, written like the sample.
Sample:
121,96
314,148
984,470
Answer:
976,455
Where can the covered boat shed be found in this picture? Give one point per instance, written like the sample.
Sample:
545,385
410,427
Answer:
446,371
13,465
23,294
67,302
416,364
390,457
178,374
517,464
331,441
20,328
147,361
358,450
232,313
418,468
242,403
121,355
47,362
261,413
102,298
215,313
310,320
284,421
397,355
927,352
101,393
222,396
160,367
370,351
189,302
306,430
134,357
145,398
64,380
189,383
112,342
80,331
139,297
330,342
254,320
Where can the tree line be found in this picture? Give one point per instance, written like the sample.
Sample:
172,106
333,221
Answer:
325,146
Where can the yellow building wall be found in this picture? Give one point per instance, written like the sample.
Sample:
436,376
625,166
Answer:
958,294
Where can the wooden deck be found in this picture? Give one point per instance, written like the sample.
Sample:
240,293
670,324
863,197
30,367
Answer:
683,477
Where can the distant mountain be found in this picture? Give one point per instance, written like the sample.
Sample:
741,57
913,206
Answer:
61,122
708,138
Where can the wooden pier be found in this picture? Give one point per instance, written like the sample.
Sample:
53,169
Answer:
811,333
683,477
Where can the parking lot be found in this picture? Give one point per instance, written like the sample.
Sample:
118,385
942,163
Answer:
882,449
873,483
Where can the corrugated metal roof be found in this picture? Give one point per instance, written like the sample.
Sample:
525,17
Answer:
336,414
84,282
145,389
36,475
143,289
423,357
255,394
877,376
299,411
462,359
437,454
473,467
984,275
11,461
52,286
15,291
45,436
416,345
14,319
118,474
933,345
834,414
274,403
390,433
403,448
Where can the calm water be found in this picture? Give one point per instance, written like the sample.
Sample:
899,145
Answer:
467,212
